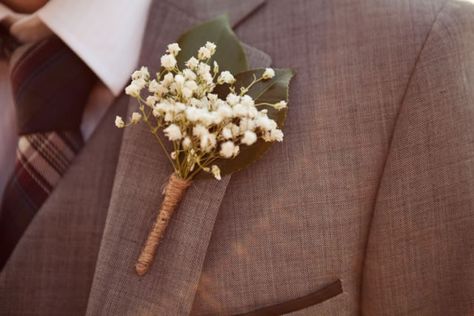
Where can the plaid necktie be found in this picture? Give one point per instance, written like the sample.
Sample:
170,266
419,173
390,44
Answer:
50,87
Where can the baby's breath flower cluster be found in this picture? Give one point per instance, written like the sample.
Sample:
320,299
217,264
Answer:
201,126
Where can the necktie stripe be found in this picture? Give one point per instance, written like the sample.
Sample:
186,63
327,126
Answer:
40,147
50,86
73,140
60,153
28,176
58,141
39,163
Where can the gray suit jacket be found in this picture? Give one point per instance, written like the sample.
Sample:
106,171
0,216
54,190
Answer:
373,185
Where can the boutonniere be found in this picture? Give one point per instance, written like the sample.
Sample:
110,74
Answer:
209,113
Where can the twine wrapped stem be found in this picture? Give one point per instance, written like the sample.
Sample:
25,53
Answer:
174,192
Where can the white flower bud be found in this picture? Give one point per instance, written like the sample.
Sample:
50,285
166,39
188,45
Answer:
225,111
225,77
179,79
173,132
192,63
119,122
204,53
151,100
199,130
168,61
167,79
187,93
186,142
227,149
232,99
216,172
141,74
211,47
226,133
153,86
269,73
280,105
189,74
247,100
136,117
135,87
173,49
249,138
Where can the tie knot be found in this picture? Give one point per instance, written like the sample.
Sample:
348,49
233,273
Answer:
50,87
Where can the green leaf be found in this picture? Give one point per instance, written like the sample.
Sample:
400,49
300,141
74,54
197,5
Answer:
229,53
268,91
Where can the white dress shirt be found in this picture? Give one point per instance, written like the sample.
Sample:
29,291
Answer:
106,35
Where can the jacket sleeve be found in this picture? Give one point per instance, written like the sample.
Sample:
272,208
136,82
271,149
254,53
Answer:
420,254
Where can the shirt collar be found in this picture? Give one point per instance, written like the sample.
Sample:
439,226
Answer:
106,35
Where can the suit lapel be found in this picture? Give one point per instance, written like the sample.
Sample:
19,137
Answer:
50,271
171,283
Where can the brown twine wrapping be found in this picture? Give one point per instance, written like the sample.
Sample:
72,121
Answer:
174,192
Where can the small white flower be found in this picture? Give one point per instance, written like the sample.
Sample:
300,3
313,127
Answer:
179,107
273,135
225,77
173,132
225,111
151,100
247,100
187,93
191,84
161,90
232,99
207,78
167,79
192,63
227,149
173,155
269,73
136,117
246,125
265,123
199,130
204,69
141,74
240,110
216,172
192,114
153,86
179,79
173,49
168,61
186,142
226,133
135,87
119,122
211,47
216,67
189,74
212,97
208,141
249,138
234,128
280,105
204,53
